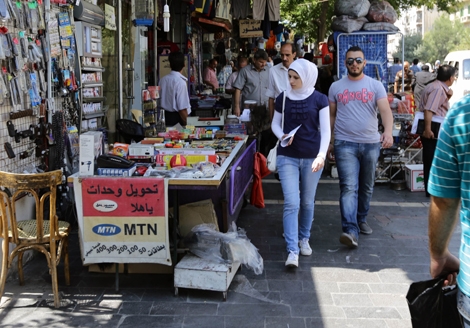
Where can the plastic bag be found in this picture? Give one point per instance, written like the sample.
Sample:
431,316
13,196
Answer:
382,26
151,172
382,11
431,306
208,169
353,8
234,246
347,23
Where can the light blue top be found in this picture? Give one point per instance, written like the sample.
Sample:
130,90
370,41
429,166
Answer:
450,176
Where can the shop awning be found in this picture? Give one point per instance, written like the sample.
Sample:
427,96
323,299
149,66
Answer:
213,25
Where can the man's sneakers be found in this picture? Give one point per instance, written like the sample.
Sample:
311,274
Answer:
365,228
348,240
292,260
305,247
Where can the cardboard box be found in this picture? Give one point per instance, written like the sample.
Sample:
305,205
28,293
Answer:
136,149
196,213
414,177
91,146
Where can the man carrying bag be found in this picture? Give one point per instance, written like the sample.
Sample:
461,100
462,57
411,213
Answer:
434,105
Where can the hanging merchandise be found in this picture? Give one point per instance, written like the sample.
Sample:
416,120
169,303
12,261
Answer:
166,18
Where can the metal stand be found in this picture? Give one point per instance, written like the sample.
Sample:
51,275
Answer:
400,155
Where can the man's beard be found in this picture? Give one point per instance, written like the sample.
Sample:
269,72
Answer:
354,74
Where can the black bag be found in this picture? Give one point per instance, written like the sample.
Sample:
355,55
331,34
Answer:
435,127
433,307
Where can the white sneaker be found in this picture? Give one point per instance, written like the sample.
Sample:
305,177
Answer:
305,247
292,260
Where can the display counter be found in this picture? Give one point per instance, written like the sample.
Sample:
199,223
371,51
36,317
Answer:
222,189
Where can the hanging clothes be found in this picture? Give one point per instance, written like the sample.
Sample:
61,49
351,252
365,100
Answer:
241,9
273,8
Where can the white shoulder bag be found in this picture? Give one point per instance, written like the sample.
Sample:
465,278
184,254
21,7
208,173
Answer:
271,161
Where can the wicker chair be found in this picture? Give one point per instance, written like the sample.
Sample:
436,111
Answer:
47,235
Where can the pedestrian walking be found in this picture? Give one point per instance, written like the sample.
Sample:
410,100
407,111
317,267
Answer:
434,104
448,184
353,108
301,162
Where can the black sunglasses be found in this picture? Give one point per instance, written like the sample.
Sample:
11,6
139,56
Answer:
358,60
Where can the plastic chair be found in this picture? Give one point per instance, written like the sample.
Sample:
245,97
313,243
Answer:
47,235
130,130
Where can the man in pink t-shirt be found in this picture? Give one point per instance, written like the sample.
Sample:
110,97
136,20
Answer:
210,76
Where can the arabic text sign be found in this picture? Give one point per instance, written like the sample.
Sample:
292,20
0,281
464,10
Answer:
125,220
250,28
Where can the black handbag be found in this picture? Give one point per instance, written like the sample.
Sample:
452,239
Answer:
431,306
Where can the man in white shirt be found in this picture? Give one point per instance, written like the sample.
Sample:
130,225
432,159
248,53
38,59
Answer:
242,62
174,92
278,77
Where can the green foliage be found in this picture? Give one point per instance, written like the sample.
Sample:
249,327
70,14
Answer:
412,42
310,18
445,36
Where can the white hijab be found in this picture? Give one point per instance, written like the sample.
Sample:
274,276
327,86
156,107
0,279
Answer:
308,73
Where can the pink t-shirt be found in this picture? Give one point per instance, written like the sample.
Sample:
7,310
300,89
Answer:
209,75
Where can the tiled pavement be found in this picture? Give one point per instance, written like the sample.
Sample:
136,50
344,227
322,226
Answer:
334,287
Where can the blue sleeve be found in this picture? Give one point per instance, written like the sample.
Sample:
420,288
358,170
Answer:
322,101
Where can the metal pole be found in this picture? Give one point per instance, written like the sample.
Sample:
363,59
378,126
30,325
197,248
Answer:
50,98
120,56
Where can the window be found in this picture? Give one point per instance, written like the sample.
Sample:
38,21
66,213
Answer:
466,69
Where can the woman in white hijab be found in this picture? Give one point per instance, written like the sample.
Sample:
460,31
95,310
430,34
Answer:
301,158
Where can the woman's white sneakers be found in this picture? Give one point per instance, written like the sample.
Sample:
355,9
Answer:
292,260
305,247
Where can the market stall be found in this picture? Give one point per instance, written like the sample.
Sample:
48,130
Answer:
111,208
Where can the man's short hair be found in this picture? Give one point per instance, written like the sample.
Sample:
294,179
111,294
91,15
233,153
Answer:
355,48
260,54
242,59
176,60
308,56
396,60
425,68
212,60
415,61
293,47
445,72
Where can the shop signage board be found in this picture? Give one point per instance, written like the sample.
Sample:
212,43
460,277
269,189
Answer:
123,220
250,28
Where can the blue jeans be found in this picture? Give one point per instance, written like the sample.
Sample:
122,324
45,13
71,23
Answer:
298,207
356,163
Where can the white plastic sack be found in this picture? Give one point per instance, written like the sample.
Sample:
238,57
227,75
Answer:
271,160
234,246
348,24
353,8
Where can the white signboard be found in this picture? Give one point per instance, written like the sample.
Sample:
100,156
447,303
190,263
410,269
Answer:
109,17
123,220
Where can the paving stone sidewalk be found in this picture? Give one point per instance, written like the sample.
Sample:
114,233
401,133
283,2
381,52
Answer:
334,287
